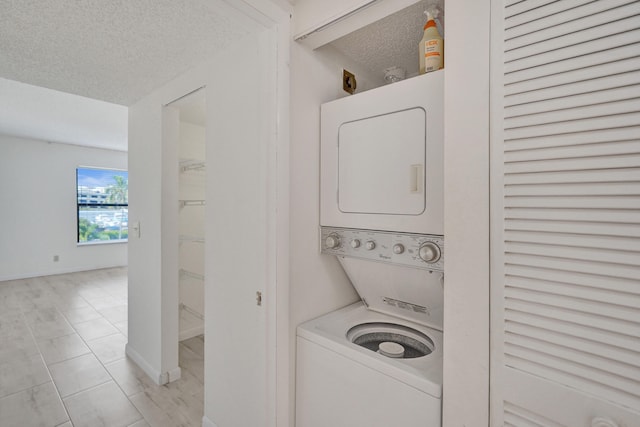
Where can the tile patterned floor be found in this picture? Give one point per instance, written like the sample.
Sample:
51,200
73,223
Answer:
62,358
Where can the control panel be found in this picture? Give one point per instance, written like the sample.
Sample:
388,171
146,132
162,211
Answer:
414,250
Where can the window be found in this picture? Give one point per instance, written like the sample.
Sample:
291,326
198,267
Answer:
103,205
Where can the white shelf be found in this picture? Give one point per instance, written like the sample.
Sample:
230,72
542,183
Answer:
191,311
191,322
196,202
192,166
191,239
191,274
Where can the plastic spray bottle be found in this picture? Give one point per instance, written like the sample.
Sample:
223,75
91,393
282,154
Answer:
431,46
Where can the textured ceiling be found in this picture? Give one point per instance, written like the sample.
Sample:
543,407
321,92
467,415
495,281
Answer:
391,41
117,50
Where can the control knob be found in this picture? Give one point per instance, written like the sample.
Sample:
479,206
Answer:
429,252
398,248
332,241
370,245
355,243
603,422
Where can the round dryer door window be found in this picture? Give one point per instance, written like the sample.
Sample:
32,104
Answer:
391,340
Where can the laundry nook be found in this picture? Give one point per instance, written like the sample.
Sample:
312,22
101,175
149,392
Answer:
320,213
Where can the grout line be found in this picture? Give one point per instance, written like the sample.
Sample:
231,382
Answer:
55,386
74,282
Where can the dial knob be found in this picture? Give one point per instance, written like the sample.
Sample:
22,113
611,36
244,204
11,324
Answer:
370,245
332,241
355,243
398,248
603,422
429,252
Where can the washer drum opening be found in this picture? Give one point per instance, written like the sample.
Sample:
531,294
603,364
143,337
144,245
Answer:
377,336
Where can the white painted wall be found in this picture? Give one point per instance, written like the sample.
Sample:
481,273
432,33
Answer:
250,186
317,282
38,188
145,197
239,251
237,244
466,209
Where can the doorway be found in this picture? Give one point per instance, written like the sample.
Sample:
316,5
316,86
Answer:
188,117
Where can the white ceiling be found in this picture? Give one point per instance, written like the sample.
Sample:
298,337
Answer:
69,68
116,51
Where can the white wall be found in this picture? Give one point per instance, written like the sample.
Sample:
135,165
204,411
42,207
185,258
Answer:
317,282
240,184
242,220
39,215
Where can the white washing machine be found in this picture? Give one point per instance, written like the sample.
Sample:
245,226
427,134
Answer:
377,363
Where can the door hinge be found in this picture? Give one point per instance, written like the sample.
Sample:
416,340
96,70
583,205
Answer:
258,298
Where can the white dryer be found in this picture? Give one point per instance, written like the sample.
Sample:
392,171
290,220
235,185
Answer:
381,158
377,363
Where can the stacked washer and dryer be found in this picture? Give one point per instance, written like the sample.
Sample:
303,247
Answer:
379,362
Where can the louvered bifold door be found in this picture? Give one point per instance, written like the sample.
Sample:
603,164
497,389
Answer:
565,228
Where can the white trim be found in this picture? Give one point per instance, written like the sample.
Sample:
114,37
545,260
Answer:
56,272
174,374
102,242
154,374
206,422
157,377
333,20
279,336
343,22
496,238
466,207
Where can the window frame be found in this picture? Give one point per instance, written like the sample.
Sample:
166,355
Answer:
89,204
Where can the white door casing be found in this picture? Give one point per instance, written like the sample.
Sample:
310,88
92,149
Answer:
565,208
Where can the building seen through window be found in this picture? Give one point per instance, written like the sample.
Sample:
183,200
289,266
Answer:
102,205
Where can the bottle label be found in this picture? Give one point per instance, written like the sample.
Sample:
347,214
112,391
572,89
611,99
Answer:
433,59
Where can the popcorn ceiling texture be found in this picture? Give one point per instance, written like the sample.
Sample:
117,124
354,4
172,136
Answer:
391,41
116,50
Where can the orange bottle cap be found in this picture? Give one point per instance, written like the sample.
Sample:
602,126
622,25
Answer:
430,23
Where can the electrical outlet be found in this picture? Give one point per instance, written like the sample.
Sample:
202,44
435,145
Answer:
56,258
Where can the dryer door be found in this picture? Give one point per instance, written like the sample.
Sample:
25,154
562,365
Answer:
381,164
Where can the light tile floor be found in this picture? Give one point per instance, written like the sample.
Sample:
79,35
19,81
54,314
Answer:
63,362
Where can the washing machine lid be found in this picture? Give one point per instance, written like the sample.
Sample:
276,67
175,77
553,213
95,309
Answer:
409,293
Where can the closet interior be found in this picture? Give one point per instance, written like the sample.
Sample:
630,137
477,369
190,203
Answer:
191,203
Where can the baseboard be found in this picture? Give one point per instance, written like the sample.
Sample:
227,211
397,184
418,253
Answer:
206,422
158,377
56,272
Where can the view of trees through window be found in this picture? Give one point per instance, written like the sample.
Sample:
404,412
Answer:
103,202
